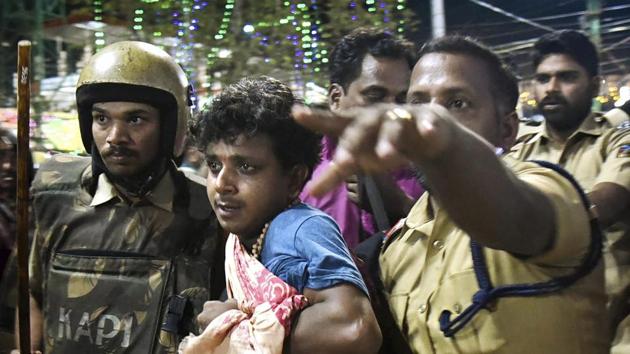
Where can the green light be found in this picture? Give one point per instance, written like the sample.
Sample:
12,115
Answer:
307,38
218,36
157,34
369,2
301,6
229,6
286,3
139,12
316,70
325,60
284,21
137,27
371,9
400,7
137,19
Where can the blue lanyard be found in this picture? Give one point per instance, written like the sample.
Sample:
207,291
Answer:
488,293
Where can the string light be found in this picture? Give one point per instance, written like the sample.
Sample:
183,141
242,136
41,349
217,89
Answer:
222,32
316,46
137,20
99,36
382,5
370,6
400,7
352,7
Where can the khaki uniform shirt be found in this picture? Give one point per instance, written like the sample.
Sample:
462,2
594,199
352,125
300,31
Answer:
172,227
427,268
596,152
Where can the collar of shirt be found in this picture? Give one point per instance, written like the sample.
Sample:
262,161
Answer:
595,124
161,196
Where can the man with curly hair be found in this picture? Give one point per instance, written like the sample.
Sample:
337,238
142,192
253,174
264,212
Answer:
258,160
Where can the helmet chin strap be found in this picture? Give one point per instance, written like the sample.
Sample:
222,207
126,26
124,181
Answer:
134,186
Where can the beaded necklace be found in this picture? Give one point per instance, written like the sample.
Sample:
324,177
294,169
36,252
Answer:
257,247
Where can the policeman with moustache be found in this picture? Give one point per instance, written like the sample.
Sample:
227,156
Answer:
125,244
593,148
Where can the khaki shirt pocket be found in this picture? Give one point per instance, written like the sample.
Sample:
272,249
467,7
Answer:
482,334
399,304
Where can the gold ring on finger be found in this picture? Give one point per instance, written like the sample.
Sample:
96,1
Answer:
398,113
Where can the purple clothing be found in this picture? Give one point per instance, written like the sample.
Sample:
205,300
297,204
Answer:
351,219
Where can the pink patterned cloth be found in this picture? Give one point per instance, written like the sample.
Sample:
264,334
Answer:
266,307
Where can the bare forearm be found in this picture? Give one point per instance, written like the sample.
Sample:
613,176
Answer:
37,322
611,201
486,200
328,329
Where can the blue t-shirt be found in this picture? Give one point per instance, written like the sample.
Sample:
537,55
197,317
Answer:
304,247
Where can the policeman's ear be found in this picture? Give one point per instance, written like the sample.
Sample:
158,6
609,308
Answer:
508,130
335,93
297,179
595,84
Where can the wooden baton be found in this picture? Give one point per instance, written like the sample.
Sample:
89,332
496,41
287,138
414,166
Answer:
23,109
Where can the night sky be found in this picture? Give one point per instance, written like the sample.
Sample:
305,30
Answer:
501,32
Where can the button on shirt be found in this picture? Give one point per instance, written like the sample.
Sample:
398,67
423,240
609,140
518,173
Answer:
596,152
427,268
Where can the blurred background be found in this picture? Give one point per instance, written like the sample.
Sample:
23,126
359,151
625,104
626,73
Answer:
219,41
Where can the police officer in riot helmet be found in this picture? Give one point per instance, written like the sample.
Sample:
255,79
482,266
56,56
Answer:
125,244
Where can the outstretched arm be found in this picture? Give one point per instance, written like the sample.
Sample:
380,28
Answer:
467,179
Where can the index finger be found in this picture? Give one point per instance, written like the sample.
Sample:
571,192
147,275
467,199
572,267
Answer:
320,120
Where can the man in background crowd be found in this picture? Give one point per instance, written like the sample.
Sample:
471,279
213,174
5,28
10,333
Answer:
589,146
487,223
367,66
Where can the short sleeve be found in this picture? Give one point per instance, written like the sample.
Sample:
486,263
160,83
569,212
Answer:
616,166
329,262
573,233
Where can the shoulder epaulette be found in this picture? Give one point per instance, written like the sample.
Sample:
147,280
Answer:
60,172
624,125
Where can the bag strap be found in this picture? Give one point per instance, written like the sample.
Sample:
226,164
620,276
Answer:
376,202
487,292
